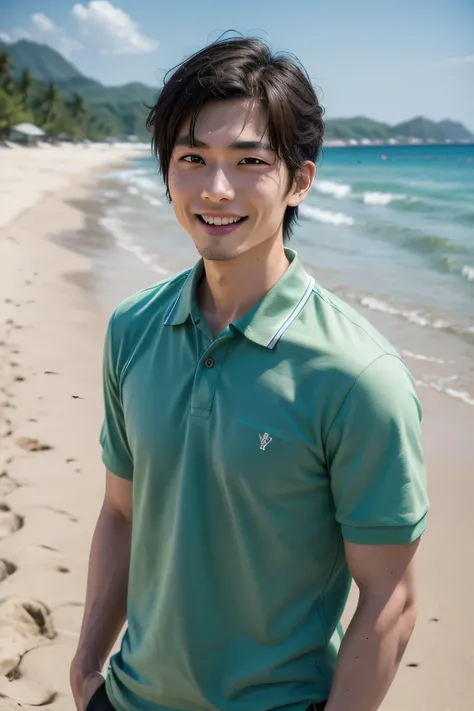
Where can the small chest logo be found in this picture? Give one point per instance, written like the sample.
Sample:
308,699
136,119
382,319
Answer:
265,440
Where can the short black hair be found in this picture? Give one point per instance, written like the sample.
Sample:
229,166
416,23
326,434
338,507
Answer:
242,67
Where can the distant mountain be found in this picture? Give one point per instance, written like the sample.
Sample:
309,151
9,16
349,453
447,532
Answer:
122,110
44,63
116,110
356,128
426,129
419,128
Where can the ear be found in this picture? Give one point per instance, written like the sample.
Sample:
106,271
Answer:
302,183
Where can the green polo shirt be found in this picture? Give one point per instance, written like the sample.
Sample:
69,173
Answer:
253,456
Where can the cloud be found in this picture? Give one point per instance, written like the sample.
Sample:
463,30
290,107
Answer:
43,22
14,35
456,61
110,29
67,45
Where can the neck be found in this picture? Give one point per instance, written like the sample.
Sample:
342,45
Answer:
229,289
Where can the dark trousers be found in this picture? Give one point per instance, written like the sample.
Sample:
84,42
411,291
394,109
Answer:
100,702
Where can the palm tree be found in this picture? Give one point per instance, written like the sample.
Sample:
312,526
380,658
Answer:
78,106
6,69
77,109
24,85
50,99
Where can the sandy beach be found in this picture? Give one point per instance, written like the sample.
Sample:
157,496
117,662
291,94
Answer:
51,475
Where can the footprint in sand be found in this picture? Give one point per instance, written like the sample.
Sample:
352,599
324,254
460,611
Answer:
9,521
7,485
24,624
29,444
6,569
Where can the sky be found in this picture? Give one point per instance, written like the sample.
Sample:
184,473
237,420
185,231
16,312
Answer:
389,60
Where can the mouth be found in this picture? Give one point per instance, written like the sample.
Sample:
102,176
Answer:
221,226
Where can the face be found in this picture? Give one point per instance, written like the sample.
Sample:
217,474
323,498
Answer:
231,176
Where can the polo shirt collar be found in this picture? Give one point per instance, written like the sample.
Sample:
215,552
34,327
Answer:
268,320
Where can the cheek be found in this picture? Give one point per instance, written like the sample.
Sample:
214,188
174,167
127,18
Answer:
269,189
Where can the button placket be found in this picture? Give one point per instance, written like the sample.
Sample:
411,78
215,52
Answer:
207,376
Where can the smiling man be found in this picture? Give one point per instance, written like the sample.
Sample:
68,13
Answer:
261,439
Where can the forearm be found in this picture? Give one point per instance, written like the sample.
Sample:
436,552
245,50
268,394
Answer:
371,653
106,595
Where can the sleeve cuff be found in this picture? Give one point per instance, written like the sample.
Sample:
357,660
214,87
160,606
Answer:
115,466
383,535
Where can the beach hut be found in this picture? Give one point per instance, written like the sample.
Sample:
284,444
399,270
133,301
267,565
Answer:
26,133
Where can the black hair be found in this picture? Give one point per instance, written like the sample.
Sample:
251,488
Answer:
242,68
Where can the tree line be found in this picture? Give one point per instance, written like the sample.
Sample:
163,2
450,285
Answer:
23,100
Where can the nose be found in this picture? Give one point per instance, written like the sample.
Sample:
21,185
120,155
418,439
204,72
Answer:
218,187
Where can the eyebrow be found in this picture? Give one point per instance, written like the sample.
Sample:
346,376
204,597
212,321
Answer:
238,145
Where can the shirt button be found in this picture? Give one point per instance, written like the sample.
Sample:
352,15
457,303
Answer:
209,362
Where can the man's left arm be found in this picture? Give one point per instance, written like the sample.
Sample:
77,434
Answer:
378,634
378,482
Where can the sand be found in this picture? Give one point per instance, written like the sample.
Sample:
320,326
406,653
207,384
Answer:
51,476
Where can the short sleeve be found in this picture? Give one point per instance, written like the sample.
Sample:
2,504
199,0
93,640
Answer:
116,454
375,458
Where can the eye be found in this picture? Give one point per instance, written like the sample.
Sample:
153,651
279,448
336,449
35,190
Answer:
254,161
191,158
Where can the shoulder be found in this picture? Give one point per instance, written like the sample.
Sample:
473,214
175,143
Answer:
356,362
347,329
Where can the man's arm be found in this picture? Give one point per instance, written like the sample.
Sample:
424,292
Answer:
381,627
106,596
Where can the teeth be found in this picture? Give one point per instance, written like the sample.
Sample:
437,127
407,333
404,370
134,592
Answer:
220,220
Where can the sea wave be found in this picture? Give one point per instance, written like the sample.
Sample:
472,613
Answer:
336,190
462,395
468,272
327,216
415,317
378,198
122,236
422,357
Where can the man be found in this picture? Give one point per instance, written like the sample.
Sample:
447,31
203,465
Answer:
261,439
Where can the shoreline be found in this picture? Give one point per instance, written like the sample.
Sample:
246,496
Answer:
51,336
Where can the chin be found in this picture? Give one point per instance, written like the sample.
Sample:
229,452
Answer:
217,253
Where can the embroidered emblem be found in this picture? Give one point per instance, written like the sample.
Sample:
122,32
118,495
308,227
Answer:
265,440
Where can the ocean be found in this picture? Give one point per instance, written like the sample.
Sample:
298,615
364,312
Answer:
390,229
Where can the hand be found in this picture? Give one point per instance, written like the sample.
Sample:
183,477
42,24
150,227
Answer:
83,687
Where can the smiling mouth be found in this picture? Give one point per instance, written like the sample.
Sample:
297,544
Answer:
221,224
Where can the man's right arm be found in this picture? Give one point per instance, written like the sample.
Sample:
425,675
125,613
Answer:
106,596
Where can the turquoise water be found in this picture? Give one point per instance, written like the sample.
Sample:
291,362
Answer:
390,228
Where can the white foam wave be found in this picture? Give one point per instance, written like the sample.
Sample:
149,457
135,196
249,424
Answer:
468,272
336,190
326,216
124,241
420,356
375,198
152,201
456,394
412,316
132,190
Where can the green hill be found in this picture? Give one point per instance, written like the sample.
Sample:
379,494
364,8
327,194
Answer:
426,129
44,63
122,110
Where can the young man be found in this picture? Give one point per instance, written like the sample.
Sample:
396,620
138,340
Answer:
261,439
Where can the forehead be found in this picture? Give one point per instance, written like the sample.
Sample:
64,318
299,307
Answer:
220,123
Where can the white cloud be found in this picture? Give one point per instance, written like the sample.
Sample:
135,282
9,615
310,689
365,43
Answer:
43,22
110,29
457,61
68,45
14,35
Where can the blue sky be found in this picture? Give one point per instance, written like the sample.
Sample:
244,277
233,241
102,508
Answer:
389,60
